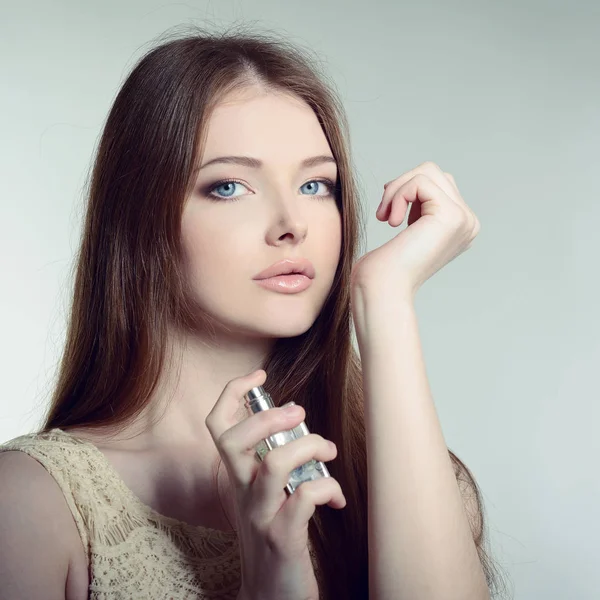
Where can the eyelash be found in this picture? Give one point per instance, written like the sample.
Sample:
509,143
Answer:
208,192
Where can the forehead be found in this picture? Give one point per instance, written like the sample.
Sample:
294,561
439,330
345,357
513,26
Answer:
275,127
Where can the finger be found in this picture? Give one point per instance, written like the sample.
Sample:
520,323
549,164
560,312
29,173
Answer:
238,444
223,414
450,177
420,189
476,223
414,213
428,168
274,473
300,506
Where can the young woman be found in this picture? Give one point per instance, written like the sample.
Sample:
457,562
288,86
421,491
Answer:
223,167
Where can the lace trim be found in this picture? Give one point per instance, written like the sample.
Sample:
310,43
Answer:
130,547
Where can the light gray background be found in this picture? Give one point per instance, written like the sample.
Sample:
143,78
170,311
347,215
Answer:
503,95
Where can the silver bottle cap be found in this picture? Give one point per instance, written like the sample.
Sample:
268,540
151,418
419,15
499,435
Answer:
258,399
256,392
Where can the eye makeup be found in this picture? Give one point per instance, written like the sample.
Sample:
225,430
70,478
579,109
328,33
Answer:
208,191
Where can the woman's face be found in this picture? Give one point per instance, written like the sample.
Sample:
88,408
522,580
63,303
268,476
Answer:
276,211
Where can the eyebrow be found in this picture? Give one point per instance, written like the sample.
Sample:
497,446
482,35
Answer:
255,163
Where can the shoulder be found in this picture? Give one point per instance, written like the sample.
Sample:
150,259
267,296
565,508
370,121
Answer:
40,539
31,495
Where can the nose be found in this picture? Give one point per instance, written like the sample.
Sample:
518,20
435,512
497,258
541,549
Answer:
289,224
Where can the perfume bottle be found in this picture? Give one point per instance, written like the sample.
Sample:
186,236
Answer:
258,399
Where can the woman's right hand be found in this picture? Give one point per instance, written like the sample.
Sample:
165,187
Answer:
272,526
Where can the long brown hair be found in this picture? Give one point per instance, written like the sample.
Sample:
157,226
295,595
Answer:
130,285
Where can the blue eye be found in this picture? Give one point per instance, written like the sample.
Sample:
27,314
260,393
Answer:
328,184
230,183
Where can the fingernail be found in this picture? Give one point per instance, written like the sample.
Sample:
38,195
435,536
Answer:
290,408
379,207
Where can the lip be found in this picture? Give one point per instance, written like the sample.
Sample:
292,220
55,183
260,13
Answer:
288,266
286,284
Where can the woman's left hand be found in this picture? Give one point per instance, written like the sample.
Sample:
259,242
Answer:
440,227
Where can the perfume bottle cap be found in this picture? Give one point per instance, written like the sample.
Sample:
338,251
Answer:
258,399
256,392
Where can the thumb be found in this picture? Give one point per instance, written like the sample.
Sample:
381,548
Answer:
223,414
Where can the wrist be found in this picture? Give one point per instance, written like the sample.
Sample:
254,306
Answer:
379,327
383,306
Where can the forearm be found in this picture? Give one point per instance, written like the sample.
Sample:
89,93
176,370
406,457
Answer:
420,542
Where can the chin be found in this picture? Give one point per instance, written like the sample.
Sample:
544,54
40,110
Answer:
284,324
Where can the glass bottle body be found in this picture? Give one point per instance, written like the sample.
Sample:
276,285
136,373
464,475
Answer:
258,399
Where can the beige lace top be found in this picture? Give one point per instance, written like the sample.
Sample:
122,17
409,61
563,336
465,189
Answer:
133,552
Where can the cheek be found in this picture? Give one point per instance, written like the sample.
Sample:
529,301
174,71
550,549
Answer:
331,238
201,250
210,253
